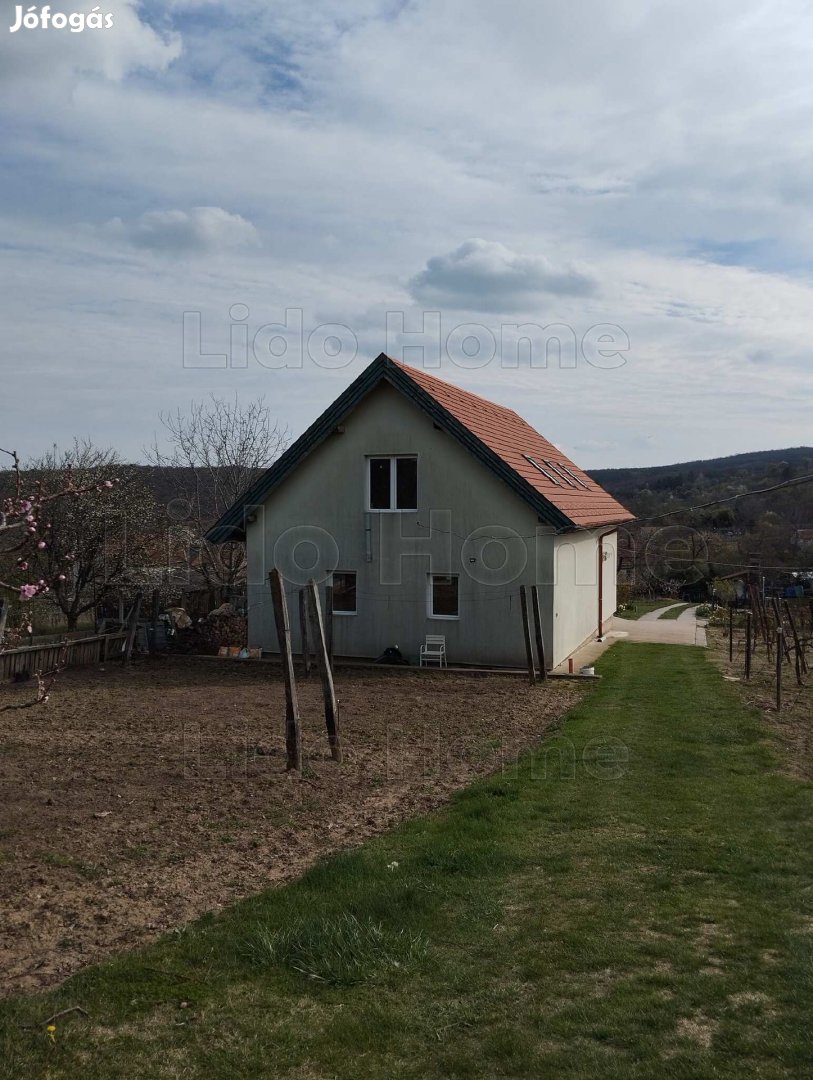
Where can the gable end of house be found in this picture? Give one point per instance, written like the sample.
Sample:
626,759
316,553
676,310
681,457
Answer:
232,525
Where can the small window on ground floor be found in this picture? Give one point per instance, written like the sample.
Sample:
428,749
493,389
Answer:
444,600
344,592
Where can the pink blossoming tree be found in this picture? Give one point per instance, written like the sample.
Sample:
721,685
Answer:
26,535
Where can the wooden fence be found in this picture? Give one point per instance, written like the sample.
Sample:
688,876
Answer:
79,652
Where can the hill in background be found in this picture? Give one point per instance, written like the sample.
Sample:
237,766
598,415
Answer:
660,488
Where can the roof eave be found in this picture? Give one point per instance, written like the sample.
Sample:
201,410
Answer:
231,524
608,523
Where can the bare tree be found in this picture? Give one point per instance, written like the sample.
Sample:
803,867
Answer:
215,452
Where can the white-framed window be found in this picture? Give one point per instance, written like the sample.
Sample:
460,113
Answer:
443,600
392,483
344,592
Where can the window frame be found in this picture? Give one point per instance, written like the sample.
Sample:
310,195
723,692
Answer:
430,597
333,584
393,460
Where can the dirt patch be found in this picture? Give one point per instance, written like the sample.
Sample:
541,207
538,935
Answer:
698,1029
749,997
135,801
708,935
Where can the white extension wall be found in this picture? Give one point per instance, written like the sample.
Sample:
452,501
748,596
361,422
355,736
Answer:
576,589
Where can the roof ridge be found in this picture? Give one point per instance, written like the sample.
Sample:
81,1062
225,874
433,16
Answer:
501,442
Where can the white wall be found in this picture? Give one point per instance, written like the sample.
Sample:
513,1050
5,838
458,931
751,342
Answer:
575,609
610,569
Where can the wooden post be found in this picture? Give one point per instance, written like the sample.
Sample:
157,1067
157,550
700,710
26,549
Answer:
155,608
329,623
779,636
800,656
325,671
755,606
303,631
526,630
4,605
800,659
730,634
778,616
761,614
132,626
293,733
748,644
540,643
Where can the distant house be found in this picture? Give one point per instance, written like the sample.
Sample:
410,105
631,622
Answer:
740,582
426,507
804,539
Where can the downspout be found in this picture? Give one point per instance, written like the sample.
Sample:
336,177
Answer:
368,538
601,579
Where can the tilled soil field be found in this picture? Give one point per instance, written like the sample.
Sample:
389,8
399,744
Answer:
134,801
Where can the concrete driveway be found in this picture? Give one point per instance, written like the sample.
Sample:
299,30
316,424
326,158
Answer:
686,629
653,616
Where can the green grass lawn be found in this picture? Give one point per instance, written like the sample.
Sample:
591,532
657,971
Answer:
673,612
634,900
643,607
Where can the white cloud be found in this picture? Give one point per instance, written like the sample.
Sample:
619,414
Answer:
180,232
41,60
487,276
616,137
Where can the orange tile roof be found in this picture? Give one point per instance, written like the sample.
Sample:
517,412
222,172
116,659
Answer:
562,494
505,433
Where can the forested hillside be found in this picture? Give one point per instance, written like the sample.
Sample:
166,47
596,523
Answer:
772,529
660,488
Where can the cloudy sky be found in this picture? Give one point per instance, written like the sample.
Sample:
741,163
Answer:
276,165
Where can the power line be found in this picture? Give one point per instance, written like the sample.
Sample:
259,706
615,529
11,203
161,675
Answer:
797,480
718,562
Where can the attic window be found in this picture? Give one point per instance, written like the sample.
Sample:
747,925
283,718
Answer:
392,483
544,471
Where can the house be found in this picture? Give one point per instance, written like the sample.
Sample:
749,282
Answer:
427,507
740,581
804,539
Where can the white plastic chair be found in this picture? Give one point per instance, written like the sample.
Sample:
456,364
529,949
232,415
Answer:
433,650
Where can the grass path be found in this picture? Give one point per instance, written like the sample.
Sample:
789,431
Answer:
642,607
676,611
634,900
